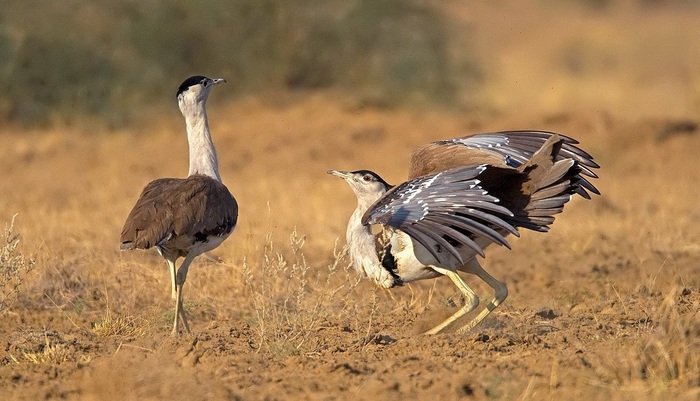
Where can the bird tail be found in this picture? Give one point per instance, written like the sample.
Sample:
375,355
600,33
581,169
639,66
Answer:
549,185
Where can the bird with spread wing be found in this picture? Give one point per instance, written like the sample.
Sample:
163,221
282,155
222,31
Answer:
462,195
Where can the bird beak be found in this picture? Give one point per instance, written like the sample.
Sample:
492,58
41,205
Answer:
342,174
218,81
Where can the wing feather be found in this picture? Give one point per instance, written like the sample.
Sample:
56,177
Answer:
436,232
422,238
505,148
169,208
474,226
446,210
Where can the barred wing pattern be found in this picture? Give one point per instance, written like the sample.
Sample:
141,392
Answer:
448,208
517,147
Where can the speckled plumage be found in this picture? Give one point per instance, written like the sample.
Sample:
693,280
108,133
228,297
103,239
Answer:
463,195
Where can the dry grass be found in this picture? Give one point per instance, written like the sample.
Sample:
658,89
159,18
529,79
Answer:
49,353
275,312
293,302
671,355
614,270
124,326
14,267
666,357
113,323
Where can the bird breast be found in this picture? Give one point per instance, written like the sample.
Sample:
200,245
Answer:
363,253
412,260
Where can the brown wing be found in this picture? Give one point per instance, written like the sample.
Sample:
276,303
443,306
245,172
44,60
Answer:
169,208
434,157
500,149
454,207
538,189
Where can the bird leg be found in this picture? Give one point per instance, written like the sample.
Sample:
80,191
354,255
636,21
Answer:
173,272
179,313
500,291
180,278
470,305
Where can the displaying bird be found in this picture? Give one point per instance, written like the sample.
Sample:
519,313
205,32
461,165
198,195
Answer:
462,195
184,217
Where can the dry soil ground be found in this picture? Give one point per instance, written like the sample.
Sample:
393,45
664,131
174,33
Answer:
603,307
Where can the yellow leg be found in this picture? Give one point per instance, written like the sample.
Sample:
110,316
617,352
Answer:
178,306
500,291
179,312
472,299
180,278
173,271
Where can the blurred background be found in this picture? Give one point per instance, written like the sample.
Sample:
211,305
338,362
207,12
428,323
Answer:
118,61
88,116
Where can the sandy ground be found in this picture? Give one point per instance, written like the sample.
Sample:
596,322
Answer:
603,307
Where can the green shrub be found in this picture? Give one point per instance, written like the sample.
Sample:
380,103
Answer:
110,58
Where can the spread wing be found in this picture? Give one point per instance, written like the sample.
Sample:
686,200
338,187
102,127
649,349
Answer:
448,209
505,148
170,208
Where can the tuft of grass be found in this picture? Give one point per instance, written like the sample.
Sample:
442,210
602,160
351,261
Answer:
46,347
293,301
111,325
14,267
672,353
49,353
667,357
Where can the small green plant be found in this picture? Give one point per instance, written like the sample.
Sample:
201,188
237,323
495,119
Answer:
14,267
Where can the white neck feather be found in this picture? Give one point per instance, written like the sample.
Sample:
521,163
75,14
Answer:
356,230
363,251
203,159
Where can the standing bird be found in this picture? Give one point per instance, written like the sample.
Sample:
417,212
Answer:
462,195
184,217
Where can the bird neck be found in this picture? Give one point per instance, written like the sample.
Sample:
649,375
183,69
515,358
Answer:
203,159
355,227
363,251
356,230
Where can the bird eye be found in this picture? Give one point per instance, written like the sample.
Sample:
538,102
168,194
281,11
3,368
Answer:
367,177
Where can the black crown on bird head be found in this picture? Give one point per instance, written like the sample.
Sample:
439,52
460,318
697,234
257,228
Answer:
191,81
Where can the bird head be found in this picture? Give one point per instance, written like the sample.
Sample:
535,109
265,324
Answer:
193,92
367,185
